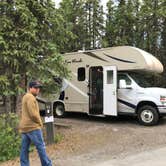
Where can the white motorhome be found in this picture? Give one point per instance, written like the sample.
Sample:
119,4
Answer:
110,82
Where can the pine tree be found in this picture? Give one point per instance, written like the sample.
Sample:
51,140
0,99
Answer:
162,37
28,46
85,20
162,13
138,26
151,28
109,38
72,13
120,23
95,24
125,22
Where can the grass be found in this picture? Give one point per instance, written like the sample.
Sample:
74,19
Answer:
58,138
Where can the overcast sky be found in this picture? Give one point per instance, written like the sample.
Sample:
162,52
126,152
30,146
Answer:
102,1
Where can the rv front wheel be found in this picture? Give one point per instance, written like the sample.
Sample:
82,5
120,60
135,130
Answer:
148,115
59,111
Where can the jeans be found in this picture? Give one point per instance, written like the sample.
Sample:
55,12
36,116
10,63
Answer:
36,137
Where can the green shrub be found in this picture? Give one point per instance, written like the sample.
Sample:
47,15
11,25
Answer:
9,137
58,138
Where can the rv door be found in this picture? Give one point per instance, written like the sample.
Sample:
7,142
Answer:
110,90
96,90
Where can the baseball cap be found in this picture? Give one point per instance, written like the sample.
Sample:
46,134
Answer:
35,84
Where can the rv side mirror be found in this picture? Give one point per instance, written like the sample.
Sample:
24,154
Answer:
122,84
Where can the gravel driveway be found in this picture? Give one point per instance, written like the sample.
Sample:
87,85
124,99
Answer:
92,140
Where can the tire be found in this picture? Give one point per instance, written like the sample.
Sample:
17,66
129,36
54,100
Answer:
148,115
59,111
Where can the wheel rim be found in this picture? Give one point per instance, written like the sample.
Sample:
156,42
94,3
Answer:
59,111
147,116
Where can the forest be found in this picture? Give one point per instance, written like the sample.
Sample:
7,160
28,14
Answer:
34,34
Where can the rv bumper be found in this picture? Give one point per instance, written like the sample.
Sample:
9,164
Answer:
162,109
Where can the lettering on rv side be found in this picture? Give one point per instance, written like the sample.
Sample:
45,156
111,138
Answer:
74,61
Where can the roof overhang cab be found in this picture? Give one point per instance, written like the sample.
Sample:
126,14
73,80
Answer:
132,58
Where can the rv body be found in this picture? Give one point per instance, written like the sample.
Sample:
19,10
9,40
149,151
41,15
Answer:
106,82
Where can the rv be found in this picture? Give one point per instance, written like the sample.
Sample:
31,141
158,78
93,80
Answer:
111,82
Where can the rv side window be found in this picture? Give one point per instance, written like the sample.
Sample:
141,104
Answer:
110,77
81,74
124,77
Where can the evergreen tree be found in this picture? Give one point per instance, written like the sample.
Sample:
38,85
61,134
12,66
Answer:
94,23
151,28
120,23
109,38
72,13
124,23
28,47
85,20
138,26
162,37
162,12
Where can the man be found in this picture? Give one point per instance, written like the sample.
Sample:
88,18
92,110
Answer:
31,125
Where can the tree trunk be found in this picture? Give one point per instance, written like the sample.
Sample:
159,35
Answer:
18,104
7,104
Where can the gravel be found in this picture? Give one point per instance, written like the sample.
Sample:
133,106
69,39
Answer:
89,140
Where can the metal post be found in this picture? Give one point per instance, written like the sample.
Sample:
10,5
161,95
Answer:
49,123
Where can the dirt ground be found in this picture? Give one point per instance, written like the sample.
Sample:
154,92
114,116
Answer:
88,141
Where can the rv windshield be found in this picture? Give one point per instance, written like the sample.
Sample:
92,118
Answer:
143,79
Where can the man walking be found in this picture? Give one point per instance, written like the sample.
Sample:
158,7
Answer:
31,125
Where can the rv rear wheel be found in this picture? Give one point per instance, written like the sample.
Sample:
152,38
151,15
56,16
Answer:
148,115
59,111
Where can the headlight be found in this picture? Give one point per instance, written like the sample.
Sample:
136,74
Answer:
163,99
